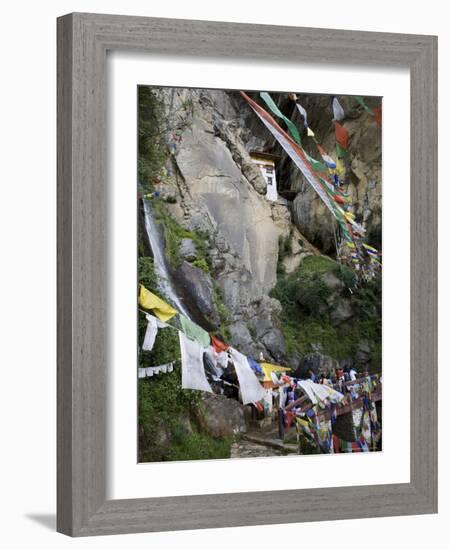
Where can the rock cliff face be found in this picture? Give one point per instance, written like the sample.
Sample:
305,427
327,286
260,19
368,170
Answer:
214,188
221,192
363,178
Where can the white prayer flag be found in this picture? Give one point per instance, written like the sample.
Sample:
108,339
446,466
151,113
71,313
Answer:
150,334
193,375
339,113
319,390
250,387
303,113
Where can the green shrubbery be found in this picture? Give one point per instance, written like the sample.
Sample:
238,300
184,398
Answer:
167,422
305,317
202,264
173,235
151,139
147,275
198,446
222,311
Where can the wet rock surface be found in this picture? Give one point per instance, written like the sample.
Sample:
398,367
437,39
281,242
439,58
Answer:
197,288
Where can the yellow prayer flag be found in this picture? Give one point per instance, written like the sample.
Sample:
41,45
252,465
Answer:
302,422
340,167
148,300
310,132
268,368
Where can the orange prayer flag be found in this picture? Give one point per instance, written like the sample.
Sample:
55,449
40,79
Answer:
219,346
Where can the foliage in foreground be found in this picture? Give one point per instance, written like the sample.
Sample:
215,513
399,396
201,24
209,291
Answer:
169,426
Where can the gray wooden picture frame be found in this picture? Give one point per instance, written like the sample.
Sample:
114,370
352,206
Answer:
83,40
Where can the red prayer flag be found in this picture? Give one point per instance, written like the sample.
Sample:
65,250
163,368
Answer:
219,346
377,112
341,135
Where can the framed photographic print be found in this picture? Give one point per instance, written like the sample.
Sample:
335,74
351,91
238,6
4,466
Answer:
247,319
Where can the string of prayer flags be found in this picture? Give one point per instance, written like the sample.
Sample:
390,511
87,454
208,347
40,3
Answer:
193,331
337,109
193,375
148,372
250,388
338,202
275,109
293,150
148,300
323,187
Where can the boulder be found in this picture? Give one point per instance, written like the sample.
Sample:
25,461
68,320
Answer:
314,220
162,435
220,416
364,353
187,250
197,289
341,312
317,363
274,342
332,281
241,337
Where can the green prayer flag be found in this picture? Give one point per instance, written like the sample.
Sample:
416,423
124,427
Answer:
193,331
316,164
361,102
340,151
275,109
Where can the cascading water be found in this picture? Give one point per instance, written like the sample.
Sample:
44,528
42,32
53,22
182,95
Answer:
160,263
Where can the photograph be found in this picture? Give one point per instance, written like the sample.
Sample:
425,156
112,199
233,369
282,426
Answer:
259,268
230,237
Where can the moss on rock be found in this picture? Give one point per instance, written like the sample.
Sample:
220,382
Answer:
310,298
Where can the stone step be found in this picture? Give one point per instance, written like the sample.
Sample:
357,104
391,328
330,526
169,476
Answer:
274,443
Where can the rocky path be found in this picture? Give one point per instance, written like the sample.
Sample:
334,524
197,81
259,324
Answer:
259,442
247,449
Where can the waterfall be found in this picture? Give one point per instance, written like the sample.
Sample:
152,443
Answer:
160,263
